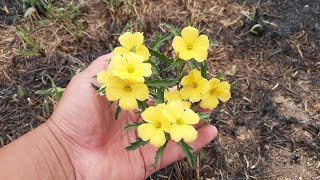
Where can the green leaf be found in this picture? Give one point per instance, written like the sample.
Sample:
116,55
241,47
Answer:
161,57
173,65
116,115
95,87
192,64
205,117
219,76
204,69
102,91
162,83
110,104
154,65
47,92
142,105
159,41
214,43
135,145
58,93
172,29
159,154
186,149
234,84
132,126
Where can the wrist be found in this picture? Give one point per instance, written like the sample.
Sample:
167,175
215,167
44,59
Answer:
37,155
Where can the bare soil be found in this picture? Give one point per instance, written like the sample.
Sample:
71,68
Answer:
270,129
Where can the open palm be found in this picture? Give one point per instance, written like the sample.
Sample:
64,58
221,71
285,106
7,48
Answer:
95,141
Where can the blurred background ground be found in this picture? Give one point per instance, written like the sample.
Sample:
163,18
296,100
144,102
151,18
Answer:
270,128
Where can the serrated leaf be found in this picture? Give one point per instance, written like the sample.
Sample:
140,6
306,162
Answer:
161,57
186,149
135,145
159,154
142,105
219,76
162,83
204,69
192,64
173,65
95,87
160,41
172,29
118,110
132,126
214,43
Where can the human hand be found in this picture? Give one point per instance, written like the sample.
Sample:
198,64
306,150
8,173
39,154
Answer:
95,141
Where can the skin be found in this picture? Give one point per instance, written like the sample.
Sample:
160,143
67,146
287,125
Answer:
82,140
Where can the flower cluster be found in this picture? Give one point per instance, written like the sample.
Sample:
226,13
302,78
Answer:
134,77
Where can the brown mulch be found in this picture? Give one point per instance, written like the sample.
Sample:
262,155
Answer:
269,130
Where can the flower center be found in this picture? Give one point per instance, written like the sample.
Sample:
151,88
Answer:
133,49
127,89
179,121
157,124
194,84
189,46
212,91
130,69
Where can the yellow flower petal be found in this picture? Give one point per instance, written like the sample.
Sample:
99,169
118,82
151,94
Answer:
189,133
199,54
214,82
195,97
210,102
202,42
103,77
148,114
140,91
165,125
126,40
186,104
186,55
145,131
203,86
143,51
190,117
145,69
158,138
186,92
121,51
189,34
114,93
176,110
128,103
172,96
134,59
176,132
179,44
137,39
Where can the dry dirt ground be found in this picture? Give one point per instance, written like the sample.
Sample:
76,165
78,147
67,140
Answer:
269,130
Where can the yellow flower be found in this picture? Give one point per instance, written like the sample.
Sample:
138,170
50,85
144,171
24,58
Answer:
181,120
218,90
194,86
155,127
130,67
132,43
103,77
175,96
127,92
189,45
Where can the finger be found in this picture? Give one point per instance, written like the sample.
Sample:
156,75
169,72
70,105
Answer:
97,65
200,124
173,153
